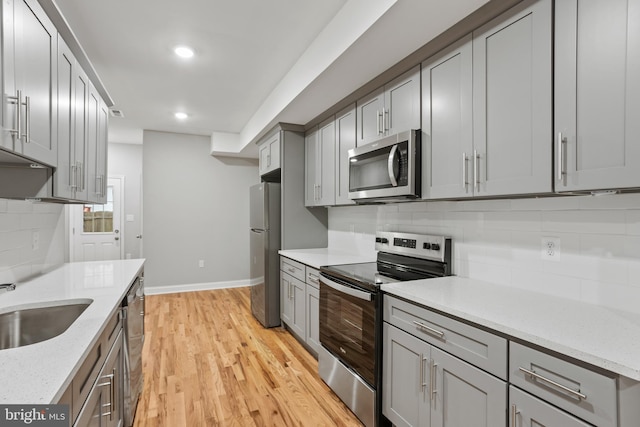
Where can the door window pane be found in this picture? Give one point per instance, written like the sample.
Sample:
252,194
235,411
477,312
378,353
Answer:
99,218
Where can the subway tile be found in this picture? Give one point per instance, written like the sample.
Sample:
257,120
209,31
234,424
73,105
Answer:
521,221
484,205
603,246
589,222
20,206
4,205
632,218
607,202
427,218
559,203
617,296
497,274
545,283
9,221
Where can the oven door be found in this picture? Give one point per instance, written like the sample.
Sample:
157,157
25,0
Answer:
348,325
389,167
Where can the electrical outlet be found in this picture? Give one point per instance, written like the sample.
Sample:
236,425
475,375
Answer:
550,248
201,263
35,241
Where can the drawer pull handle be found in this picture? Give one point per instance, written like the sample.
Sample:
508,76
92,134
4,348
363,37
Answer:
553,383
291,270
432,331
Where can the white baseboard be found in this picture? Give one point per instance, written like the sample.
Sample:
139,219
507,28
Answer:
193,287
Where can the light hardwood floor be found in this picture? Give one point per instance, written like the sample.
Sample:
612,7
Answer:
208,362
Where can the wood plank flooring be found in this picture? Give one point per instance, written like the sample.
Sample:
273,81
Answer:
208,362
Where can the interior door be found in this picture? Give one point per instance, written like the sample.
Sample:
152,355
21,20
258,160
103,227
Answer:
96,229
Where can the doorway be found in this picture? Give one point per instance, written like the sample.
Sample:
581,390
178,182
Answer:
96,229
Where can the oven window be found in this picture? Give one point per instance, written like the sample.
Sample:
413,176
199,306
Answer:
347,329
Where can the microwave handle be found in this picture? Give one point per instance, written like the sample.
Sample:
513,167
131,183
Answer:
346,289
392,158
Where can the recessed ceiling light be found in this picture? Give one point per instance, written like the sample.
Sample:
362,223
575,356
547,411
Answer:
181,115
183,51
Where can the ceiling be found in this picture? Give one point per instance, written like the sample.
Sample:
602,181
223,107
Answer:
257,62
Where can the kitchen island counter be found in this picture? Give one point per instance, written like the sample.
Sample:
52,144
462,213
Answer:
40,373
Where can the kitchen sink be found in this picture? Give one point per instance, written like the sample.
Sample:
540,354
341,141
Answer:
24,326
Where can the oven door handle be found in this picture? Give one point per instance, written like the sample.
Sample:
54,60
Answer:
363,295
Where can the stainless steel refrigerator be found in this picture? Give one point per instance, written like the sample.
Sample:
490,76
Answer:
264,245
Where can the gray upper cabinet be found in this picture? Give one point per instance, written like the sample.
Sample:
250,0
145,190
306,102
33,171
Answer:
597,94
29,79
269,154
486,104
70,177
345,141
97,122
512,102
391,109
320,148
447,122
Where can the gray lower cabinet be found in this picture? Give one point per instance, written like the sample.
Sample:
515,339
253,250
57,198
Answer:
425,386
597,94
104,405
529,411
312,336
292,303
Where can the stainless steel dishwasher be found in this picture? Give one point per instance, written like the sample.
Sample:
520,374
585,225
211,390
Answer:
133,310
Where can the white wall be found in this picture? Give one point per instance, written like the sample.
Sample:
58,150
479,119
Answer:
18,221
196,207
126,160
501,241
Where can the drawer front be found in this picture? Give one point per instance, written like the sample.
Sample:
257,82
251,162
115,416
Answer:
475,346
87,374
114,325
587,394
313,277
526,410
294,268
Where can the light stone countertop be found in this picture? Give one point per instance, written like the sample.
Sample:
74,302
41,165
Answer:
40,373
325,256
594,334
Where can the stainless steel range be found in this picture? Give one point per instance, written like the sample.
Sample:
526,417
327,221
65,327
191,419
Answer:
350,360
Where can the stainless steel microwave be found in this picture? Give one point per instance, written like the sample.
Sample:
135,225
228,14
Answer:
386,170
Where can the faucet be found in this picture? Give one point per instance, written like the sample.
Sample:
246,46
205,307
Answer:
8,286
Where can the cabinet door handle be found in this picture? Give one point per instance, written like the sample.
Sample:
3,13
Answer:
561,143
514,415
73,176
111,378
17,100
27,121
386,119
422,379
433,379
114,397
429,330
380,122
465,181
476,172
563,388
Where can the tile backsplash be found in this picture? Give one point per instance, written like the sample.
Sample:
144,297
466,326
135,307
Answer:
597,259
32,238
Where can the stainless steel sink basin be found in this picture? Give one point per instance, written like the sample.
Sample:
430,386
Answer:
24,326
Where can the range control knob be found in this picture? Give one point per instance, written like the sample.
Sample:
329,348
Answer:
426,246
382,240
435,247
